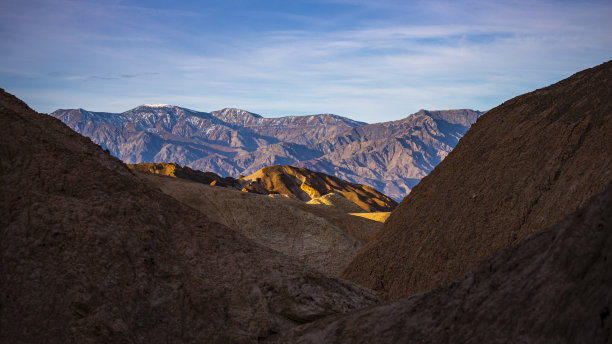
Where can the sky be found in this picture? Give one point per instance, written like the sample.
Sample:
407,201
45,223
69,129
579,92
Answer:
368,60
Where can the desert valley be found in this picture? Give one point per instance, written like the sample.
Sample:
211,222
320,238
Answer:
164,224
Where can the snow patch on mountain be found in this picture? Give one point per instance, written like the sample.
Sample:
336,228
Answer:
157,105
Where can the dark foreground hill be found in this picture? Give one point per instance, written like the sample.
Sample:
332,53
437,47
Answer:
89,253
552,288
322,236
523,166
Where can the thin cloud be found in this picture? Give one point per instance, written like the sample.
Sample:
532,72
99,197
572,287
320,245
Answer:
378,60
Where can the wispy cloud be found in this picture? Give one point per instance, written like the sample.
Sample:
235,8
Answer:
369,60
103,77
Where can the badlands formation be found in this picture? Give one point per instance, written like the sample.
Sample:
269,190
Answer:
323,236
507,240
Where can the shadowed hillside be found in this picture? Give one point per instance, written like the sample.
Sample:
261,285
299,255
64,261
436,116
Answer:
551,288
523,166
324,237
91,254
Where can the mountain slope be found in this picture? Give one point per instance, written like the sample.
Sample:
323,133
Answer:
523,166
323,237
390,156
551,288
305,185
337,201
393,156
91,254
299,183
184,172
303,130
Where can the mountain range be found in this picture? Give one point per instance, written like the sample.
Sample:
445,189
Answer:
390,157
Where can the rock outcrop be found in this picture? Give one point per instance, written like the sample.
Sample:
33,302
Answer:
91,254
523,166
551,288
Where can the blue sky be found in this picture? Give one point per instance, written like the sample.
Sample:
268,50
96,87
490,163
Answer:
369,60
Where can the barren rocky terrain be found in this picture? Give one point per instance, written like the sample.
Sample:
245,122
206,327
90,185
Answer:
91,254
338,201
507,240
376,216
302,130
392,156
177,171
523,166
551,288
297,183
306,185
322,236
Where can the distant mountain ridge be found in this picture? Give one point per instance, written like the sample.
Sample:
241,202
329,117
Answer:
391,156
304,130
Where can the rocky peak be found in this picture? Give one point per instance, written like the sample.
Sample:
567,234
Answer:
235,116
160,110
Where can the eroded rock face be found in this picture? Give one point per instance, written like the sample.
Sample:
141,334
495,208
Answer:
323,237
305,185
91,254
551,288
523,166
298,183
